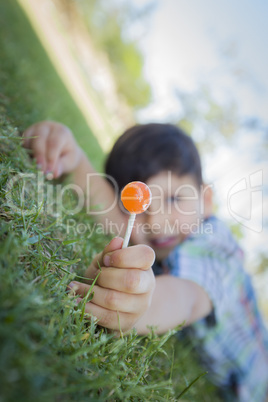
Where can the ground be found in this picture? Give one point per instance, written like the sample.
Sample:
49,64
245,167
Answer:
48,349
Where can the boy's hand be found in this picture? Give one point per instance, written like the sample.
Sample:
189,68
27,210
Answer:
124,288
53,147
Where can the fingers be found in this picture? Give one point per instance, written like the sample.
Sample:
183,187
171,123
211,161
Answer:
113,310
125,286
130,281
97,263
115,244
110,319
35,138
139,256
33,132
112,299
55,144
53,147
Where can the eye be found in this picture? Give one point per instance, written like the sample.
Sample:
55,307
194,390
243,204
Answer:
172,199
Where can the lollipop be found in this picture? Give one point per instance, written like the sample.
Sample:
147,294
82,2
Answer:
136,198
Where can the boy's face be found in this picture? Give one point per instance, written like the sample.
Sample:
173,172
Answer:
177,207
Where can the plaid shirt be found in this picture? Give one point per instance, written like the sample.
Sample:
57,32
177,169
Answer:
233,342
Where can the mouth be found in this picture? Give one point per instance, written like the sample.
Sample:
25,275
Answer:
162,242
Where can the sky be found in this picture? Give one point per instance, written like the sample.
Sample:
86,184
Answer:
184,44
223,44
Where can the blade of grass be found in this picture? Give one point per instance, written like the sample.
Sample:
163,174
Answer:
190,385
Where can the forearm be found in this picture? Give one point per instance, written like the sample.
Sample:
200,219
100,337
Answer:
99,197
56,151
175,301
79,175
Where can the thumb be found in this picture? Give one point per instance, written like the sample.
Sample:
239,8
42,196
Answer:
115,244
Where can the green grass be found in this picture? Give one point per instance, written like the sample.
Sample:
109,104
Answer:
29,85
48,350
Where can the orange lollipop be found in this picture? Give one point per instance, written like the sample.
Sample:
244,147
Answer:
136,198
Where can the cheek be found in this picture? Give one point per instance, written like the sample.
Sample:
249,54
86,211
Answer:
188,210
186,216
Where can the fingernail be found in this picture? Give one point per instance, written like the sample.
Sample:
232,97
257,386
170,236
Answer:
49,175
78,300
107,260
72,286
39,166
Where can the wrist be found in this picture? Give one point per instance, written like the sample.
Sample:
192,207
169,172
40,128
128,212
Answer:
84,165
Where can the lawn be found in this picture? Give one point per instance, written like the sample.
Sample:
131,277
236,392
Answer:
29,85
49,350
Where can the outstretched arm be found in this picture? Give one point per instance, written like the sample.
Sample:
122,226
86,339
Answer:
99,193
126,288
56,152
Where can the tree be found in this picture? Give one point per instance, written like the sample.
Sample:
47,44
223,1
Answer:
109,25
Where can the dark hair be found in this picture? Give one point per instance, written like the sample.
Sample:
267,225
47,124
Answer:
145,150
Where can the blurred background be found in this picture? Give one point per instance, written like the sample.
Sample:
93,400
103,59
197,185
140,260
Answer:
201,65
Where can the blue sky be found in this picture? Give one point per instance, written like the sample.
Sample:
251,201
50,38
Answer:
183,46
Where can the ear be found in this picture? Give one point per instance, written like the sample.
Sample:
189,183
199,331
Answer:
207,195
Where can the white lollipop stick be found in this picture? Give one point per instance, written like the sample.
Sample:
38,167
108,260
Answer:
130,225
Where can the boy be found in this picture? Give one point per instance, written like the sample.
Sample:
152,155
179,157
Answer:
200,279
